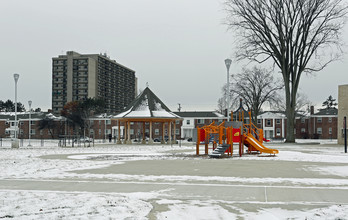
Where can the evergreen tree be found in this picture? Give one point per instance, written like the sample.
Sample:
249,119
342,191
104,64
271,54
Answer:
330,103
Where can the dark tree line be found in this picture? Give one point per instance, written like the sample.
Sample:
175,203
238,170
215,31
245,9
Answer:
9,106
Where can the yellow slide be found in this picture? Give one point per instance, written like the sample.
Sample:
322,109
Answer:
249,139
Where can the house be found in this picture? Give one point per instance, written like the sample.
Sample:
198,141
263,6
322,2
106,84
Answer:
7,125
192,119
320,125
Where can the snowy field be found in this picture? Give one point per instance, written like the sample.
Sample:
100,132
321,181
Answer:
305,181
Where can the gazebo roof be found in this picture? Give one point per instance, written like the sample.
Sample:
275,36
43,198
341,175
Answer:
147,105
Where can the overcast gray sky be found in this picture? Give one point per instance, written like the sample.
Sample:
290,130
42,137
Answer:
178,47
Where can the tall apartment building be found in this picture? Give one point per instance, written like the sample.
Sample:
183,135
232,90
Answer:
80,76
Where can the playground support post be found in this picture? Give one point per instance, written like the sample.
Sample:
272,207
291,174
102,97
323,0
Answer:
345,133
198,139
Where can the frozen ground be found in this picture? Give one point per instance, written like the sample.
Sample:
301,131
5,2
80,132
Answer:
305,181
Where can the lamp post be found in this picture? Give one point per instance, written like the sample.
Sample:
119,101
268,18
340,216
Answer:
29,102
228,64
15,143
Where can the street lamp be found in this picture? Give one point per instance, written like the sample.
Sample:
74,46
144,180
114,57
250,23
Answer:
228,64
29,102
15,143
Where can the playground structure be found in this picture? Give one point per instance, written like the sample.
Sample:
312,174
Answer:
223,136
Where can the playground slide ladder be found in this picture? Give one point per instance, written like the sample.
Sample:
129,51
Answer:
219,151
252,141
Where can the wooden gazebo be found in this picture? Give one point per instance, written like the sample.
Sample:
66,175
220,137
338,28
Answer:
147,108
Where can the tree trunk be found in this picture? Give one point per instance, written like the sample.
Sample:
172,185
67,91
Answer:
290,113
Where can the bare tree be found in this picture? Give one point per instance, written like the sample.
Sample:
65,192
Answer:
299,36
256,87
302,104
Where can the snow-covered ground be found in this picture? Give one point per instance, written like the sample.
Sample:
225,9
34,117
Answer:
39,182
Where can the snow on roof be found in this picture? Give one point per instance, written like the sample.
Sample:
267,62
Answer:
147,105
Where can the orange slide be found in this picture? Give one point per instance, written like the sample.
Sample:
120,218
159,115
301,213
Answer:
249,139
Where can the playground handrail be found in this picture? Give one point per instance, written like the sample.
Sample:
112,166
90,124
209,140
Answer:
254,130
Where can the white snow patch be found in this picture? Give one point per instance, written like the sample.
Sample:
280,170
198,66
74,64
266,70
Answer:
332,170
71,205
328,213
194,211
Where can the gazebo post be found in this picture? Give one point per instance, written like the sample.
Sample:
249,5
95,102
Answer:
150,138
170,132
125,135
162,141
119,132
174,136
144,141
128,133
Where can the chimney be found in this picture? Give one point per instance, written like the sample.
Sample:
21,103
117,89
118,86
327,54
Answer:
312,110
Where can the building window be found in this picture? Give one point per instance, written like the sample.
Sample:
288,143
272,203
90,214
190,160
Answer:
319,119
156,131
319,131
177,131
99,131
259,121
200,121
108,122
188,122
294,130
131,131
268,122
165,132
278,131
278,121
302,120
32,131
330,119
91,131
177,122
330,130
303,130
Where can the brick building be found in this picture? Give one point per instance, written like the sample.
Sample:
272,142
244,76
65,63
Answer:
7,125
320,125
80,76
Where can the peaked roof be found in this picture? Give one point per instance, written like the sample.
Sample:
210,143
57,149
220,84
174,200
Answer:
147,105
327,111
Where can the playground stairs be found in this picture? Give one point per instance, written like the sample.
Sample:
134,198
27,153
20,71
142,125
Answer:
219,151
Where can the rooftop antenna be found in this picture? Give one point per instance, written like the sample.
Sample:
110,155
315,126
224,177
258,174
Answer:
179,108
147,84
